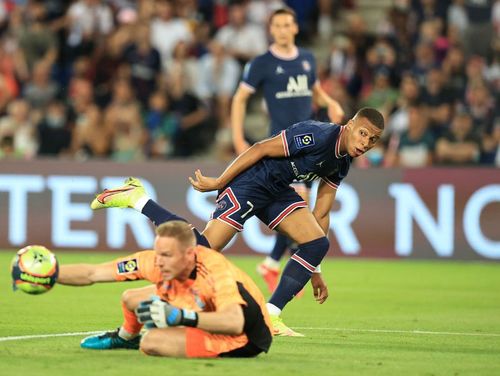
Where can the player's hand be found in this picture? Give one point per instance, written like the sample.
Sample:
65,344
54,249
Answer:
240,146
320,290
160,314
335,112
204,183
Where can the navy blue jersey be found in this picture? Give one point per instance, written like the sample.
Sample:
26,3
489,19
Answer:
287,86
312,151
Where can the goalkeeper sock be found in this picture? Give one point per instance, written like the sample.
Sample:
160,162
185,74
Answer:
159,215
298,271
131,327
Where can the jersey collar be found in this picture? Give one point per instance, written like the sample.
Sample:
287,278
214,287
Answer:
337,145
281,56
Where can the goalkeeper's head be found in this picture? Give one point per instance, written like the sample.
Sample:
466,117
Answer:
175,250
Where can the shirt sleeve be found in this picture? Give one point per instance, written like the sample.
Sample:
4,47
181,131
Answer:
332,180
253,74
137,266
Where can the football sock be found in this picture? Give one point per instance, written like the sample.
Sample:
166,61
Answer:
279,247
130,327
271,263
273,310
159,215
298,271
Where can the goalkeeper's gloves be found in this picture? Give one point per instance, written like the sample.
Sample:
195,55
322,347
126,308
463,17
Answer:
160,314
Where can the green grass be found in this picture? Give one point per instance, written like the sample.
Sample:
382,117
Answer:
365,295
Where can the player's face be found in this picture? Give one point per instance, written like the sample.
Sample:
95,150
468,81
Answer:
362,136
283,29
174,261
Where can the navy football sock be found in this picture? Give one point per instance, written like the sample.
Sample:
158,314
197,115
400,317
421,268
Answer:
279,247
298,271
159,215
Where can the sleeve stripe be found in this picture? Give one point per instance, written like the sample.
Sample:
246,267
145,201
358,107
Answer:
247,86
285,144
330,183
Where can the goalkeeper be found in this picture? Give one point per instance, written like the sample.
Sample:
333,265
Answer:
204,306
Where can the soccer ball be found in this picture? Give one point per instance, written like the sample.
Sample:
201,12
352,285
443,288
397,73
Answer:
34,270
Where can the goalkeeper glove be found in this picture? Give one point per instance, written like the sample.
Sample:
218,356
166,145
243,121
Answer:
160,314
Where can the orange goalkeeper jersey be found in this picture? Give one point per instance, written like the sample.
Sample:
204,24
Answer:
214,284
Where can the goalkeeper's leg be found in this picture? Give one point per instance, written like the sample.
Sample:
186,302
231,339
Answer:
128,335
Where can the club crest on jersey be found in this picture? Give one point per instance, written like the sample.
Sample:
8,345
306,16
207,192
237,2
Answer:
306,65
128,266
304,140
279,70
221,205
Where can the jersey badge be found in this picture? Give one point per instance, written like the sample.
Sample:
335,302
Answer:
306,65
128,266
304,140
279,70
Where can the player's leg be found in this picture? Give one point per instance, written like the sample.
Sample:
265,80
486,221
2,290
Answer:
128,335
269,269
196,343
169,342
133,195
313,245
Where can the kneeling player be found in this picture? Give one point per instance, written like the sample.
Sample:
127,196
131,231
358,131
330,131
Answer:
208,306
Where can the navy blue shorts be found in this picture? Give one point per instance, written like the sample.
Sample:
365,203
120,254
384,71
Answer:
239,201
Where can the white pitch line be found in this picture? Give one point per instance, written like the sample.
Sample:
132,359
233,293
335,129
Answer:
16,338
423,332
389,331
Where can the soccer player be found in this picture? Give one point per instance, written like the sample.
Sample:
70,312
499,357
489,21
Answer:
287,75
208,306
257,183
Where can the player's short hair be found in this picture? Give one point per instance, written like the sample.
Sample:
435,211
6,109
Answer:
284,10
179,230
372,115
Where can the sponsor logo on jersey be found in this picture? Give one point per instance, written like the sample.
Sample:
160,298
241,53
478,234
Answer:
296,87
304,140
311,176
306,65
127,266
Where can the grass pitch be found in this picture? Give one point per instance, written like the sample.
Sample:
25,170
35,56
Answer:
382,318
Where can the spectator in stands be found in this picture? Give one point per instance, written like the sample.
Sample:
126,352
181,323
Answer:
409,93
381,95
40,90
37,43
439,100
161,126
460,145
54,134
424,61
183,66
415,146
167,30
123,123
454,72
144,61
241,39
219,75
89,22
196,127
18,127
90,137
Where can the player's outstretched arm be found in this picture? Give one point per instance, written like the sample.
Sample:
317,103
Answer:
271,147
86,274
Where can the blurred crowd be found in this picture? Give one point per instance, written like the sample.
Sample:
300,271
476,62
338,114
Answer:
133,80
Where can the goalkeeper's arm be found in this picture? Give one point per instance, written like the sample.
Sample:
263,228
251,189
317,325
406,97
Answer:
160,314
86,274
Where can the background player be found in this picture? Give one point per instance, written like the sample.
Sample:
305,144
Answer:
257,183
287,75
221,309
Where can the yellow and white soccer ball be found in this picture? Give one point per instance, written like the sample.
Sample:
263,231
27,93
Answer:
34,270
